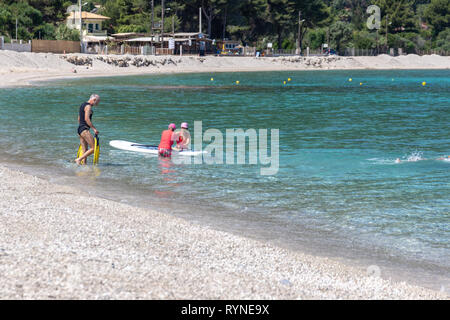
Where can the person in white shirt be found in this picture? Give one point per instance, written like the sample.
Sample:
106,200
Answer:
182,138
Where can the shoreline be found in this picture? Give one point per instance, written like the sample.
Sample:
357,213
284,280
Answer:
26,69
61,243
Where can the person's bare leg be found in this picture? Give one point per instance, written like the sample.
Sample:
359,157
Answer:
87,137
84,147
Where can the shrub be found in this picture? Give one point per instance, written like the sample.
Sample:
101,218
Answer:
315,38
45,31
443,40
364,40
287,44
130,28
65,33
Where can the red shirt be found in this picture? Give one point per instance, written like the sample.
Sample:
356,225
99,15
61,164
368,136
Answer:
166,140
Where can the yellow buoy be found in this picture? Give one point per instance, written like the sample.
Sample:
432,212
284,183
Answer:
289,79
360,83
284,82
212,79
237,82
424,83
350,79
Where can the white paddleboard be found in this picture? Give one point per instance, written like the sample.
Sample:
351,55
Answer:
152,149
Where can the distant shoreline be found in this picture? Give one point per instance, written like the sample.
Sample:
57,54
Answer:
24,69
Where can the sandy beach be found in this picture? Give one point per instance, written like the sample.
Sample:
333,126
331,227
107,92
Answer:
21,69
59,242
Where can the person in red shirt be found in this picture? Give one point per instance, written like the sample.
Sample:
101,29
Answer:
167,139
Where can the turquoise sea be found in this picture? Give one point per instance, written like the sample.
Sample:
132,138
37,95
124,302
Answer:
338,191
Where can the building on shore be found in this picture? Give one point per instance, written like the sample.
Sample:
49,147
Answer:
96,40
94,37
168,43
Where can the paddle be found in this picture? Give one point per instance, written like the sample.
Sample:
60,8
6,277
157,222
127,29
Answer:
144,145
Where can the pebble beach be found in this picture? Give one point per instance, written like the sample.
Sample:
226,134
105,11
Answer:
59,242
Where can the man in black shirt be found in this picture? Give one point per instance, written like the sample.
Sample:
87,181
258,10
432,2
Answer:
84,125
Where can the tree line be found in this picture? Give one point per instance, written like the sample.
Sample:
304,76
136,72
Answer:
410,24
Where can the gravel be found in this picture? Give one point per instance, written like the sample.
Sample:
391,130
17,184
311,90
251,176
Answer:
57,242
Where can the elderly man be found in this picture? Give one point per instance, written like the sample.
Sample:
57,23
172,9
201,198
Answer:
84,125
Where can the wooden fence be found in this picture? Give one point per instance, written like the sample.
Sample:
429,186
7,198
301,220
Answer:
164,51
55,46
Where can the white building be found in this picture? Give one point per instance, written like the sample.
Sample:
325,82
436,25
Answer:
93,34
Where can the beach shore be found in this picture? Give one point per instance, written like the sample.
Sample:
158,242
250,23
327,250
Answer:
59,242
22,69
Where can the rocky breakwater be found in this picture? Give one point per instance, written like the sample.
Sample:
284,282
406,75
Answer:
137,61
123,61
314,62
78,60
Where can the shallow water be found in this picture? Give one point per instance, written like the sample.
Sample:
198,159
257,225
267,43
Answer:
338,190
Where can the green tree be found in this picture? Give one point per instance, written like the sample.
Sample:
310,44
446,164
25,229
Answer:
131,28
5,18
315,14
340,35
251,20
51,11
27,19
438,15
316,37
281,16
443,40
403,40
212,9
255,22
44,31
65,33
364,40
399,15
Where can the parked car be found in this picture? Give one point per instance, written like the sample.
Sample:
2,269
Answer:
329,51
